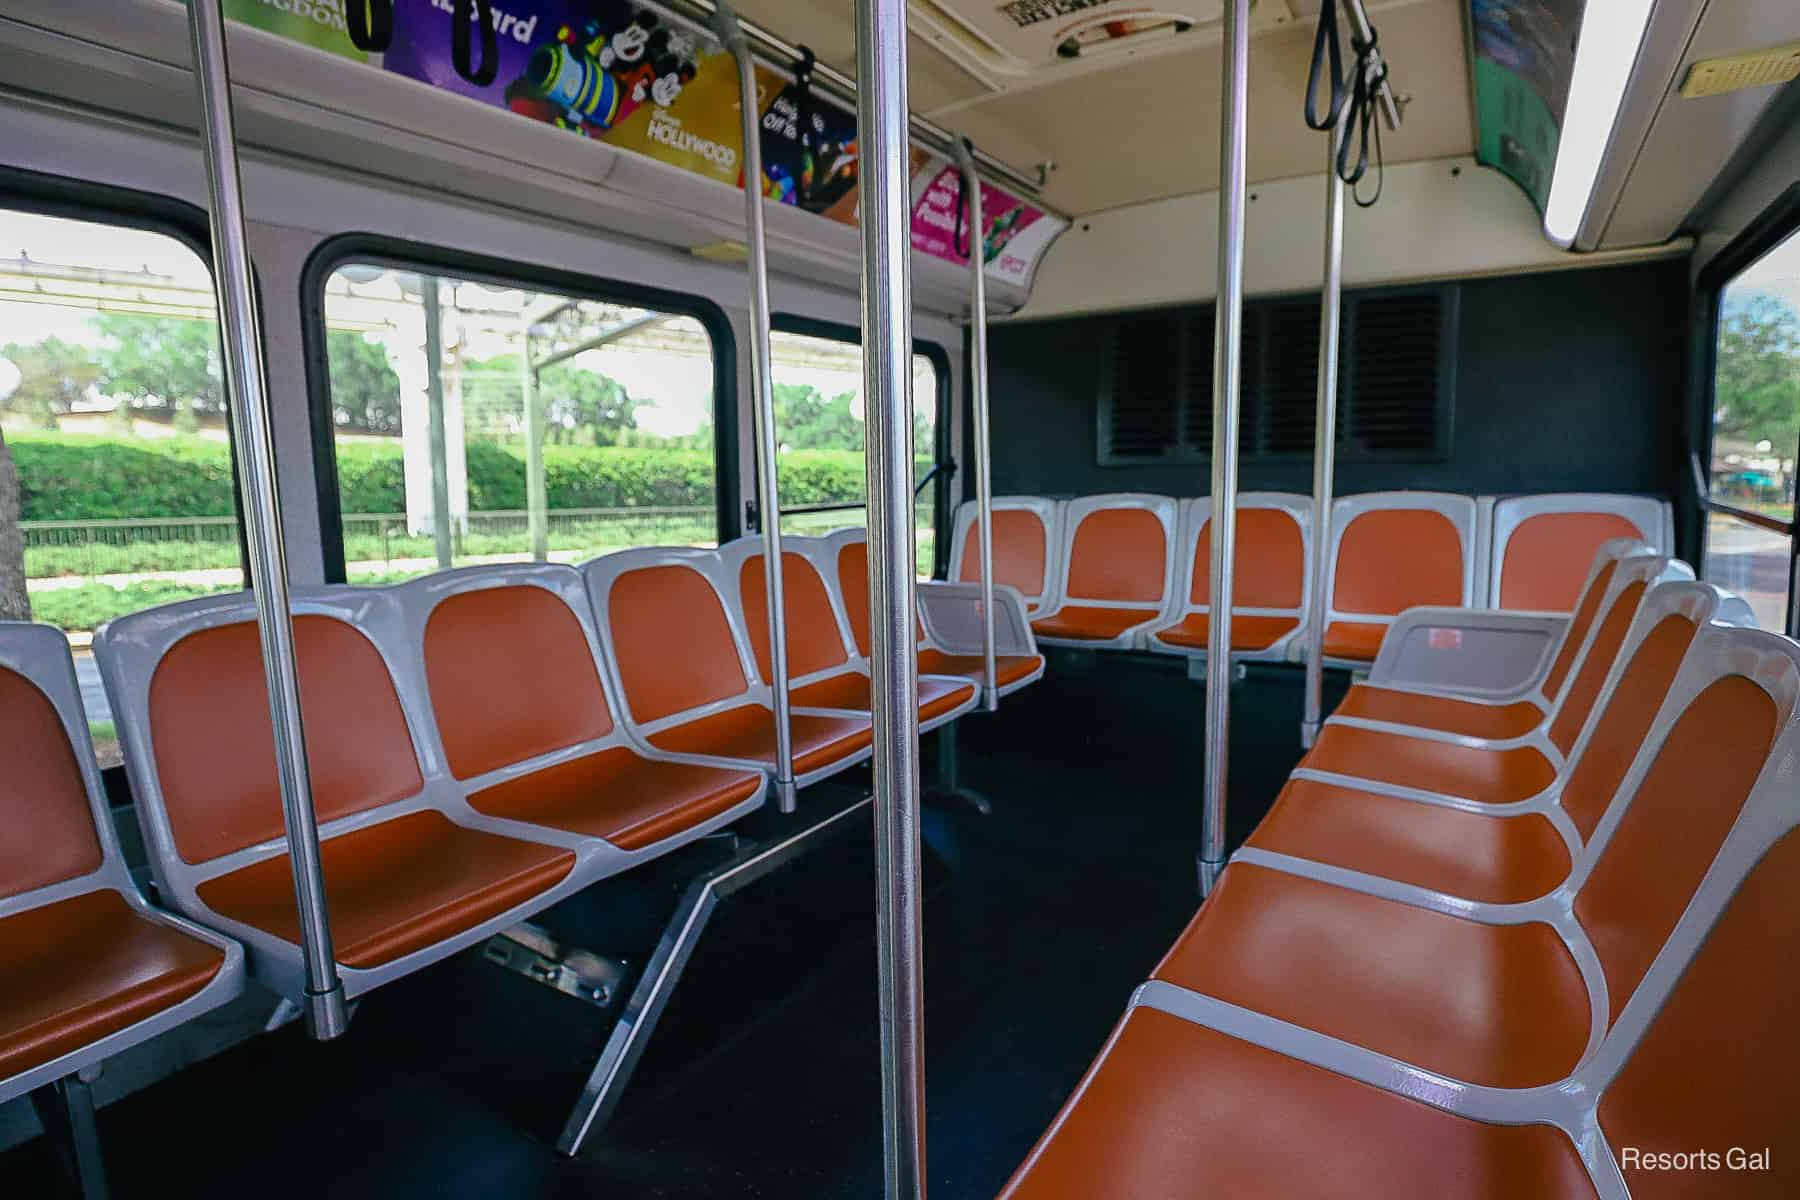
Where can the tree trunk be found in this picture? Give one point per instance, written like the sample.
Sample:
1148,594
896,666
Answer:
15,603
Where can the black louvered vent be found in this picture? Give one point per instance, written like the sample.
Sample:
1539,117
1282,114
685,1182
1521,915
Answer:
1395,380
1142,387
1290,397
1397,354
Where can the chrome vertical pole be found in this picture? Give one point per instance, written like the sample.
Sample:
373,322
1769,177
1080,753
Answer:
978,411
768,482
887,389
326,1016
440,438
1331,310
537,491
1227,354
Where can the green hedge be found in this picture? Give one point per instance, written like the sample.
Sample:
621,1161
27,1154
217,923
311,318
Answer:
66,477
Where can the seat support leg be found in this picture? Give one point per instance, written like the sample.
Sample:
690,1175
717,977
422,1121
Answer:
66,1109
949,789
606,1083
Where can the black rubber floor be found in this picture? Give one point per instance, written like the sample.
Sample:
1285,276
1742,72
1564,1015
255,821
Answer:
762,1079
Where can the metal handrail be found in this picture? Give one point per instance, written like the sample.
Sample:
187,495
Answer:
1708,504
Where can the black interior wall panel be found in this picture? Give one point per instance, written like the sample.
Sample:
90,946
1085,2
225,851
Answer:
1565,381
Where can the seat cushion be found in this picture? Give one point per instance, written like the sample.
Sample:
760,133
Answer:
1500,1005
84,968
1499,860
1490,776
1358,640
1091,623
1445,714
1008,668
396,887
1247,632
850,691
619,795
747,733
1173,1110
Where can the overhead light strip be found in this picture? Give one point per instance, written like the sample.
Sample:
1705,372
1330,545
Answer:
1612,31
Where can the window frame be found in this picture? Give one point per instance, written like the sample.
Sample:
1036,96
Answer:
72,199
426,258
1773,226
943,459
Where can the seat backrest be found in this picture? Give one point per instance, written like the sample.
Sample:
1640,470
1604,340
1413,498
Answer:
815,641
1627,581
1581,622
1689,781
1026,544
1543,545
57,829
1391,551
188,692
1272,553
510,663
667,631
847,551
1118,549
1702,1053
1624,695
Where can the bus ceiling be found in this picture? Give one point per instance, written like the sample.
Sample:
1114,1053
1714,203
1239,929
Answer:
1076,110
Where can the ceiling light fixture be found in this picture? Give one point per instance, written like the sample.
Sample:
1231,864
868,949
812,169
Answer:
1611,32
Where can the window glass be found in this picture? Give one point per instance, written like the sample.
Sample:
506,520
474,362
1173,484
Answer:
113,416
819,423
571,427
1756,431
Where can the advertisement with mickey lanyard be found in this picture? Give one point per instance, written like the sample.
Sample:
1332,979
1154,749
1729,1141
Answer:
626,74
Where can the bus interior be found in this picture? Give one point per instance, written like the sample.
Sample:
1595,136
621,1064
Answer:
563,633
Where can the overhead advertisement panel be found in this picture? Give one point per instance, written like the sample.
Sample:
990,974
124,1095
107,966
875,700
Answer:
1524,56
630,76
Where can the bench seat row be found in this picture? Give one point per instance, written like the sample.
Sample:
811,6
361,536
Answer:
1132,571
482,742
1525,952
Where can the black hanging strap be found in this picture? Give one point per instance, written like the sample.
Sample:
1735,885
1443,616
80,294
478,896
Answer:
1327,54
483,18
370,24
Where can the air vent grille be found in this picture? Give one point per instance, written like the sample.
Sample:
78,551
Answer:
1395,380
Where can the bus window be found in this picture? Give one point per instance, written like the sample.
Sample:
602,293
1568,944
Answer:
819,423
113,412
618,397
1756,433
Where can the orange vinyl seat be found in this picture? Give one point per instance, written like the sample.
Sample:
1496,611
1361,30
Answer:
847,559
1519,856
1497,1005
821,672
1174,1109
1269,577
1115,570
1543,544
1499,719
410,875
90,969
1025,531
1392,551
1295,1012
686,674
1446,768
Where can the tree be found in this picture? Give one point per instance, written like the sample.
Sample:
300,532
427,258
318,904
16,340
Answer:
365,392
806,420
168,367
53,375
579,405
1757,385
